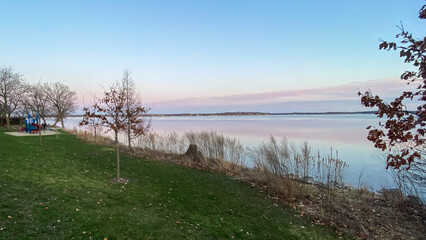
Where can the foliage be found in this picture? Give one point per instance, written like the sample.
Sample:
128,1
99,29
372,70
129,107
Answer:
403,130
115,116
92,119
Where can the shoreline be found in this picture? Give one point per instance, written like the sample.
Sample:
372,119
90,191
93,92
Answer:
246,114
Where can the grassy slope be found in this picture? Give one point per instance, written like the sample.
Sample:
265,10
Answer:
62,190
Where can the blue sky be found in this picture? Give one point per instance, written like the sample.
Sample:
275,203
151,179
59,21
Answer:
204,49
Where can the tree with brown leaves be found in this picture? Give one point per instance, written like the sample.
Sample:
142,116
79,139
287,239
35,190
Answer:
403,132
92,119
114,115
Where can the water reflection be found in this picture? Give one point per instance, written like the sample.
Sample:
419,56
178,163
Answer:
329,128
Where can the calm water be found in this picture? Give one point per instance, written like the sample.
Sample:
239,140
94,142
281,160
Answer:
344,133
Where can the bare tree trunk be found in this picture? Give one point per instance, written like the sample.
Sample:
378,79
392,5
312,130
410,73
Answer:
128,135
8,120
39,134
5,115
62,122
118,155
39,130
43,119
96,142
56,122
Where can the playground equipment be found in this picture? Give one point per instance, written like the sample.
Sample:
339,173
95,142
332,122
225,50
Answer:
32,125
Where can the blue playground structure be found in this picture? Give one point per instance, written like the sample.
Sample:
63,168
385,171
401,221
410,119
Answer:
31,125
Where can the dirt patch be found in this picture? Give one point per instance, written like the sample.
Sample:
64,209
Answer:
119,181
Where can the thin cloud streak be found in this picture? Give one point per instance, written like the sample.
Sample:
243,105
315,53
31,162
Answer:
334,98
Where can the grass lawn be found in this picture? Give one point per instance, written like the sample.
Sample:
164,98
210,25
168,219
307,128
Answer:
61,190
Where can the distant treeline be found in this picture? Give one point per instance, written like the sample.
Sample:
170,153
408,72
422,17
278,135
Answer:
252,114
323,113
244,114
209,114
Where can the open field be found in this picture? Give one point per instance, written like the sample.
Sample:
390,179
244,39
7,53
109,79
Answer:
62,190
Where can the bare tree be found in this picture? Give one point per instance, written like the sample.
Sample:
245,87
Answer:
62,98
35,101
12,88
136,125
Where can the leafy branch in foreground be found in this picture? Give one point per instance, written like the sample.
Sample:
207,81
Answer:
403,130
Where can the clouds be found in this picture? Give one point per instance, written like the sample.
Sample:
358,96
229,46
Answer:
333,98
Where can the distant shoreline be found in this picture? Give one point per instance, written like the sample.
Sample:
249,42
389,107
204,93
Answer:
252,114
246,114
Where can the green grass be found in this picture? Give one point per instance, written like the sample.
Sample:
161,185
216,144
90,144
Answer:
61,190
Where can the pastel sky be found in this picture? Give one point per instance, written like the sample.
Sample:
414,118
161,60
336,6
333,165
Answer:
213,56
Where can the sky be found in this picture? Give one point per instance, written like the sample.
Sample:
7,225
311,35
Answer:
213,56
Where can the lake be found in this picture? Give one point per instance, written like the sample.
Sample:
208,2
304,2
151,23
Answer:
345,133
